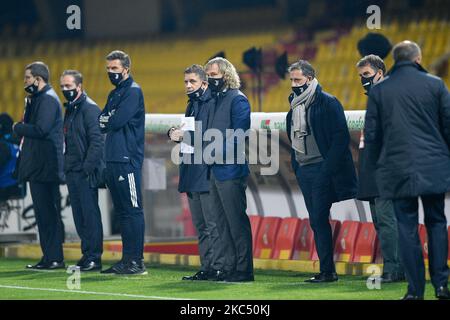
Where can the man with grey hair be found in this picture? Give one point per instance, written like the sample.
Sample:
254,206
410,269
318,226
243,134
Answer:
228,172
407,127
321,158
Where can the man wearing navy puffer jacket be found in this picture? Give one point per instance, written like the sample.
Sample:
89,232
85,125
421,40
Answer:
123,121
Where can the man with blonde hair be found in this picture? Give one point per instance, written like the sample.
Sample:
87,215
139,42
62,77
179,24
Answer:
228,172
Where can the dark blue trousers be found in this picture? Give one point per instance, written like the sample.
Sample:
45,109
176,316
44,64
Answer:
317,194
86,215
48,219
406,210
124,183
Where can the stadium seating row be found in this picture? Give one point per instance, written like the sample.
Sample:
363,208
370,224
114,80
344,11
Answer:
293,239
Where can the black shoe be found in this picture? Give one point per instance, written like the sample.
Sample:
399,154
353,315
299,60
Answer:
91,266
442,293
199,276
392,277
47,266
132,268
41,265
323,277
81,262
114,268
218,275
56,265
410,296
240,277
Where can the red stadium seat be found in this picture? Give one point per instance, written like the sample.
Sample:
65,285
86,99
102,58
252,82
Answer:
335,227
305,242
267,234
365,243
287,235
423,240
346,241
255,222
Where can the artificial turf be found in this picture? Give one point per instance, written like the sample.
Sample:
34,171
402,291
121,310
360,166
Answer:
163,282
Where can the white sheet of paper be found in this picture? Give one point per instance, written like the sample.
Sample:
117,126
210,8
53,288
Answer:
185,148
188,124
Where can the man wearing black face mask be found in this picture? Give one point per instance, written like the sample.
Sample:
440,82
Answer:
83,156
228,172
371,69
123,121
193,172
41,160
321,158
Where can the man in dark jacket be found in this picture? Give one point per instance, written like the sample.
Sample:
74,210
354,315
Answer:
371,69
123,121
41,160
408,122
193,172
83,156
228,171
321,158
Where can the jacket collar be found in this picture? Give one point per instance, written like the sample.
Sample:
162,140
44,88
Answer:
44,89
126,83
402,64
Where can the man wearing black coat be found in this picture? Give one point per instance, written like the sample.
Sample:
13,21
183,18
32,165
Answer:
408,122
371,69
194,172
83,158
321,158
41,160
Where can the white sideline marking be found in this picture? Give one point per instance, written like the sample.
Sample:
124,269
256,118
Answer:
93,293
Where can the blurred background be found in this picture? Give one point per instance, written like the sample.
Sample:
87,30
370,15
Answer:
164,37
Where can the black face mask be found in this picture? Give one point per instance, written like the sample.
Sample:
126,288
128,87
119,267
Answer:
300,89
215,84
196,94
32,88
367,83
115,77
70,95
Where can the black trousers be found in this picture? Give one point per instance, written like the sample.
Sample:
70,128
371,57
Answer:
318,202
86,215
234,251
124,183
44,196
208,236
406,210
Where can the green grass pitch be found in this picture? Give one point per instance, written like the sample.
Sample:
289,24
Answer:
163,282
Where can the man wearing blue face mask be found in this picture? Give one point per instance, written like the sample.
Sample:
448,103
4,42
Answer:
321,158
83,156
123,121
41,160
